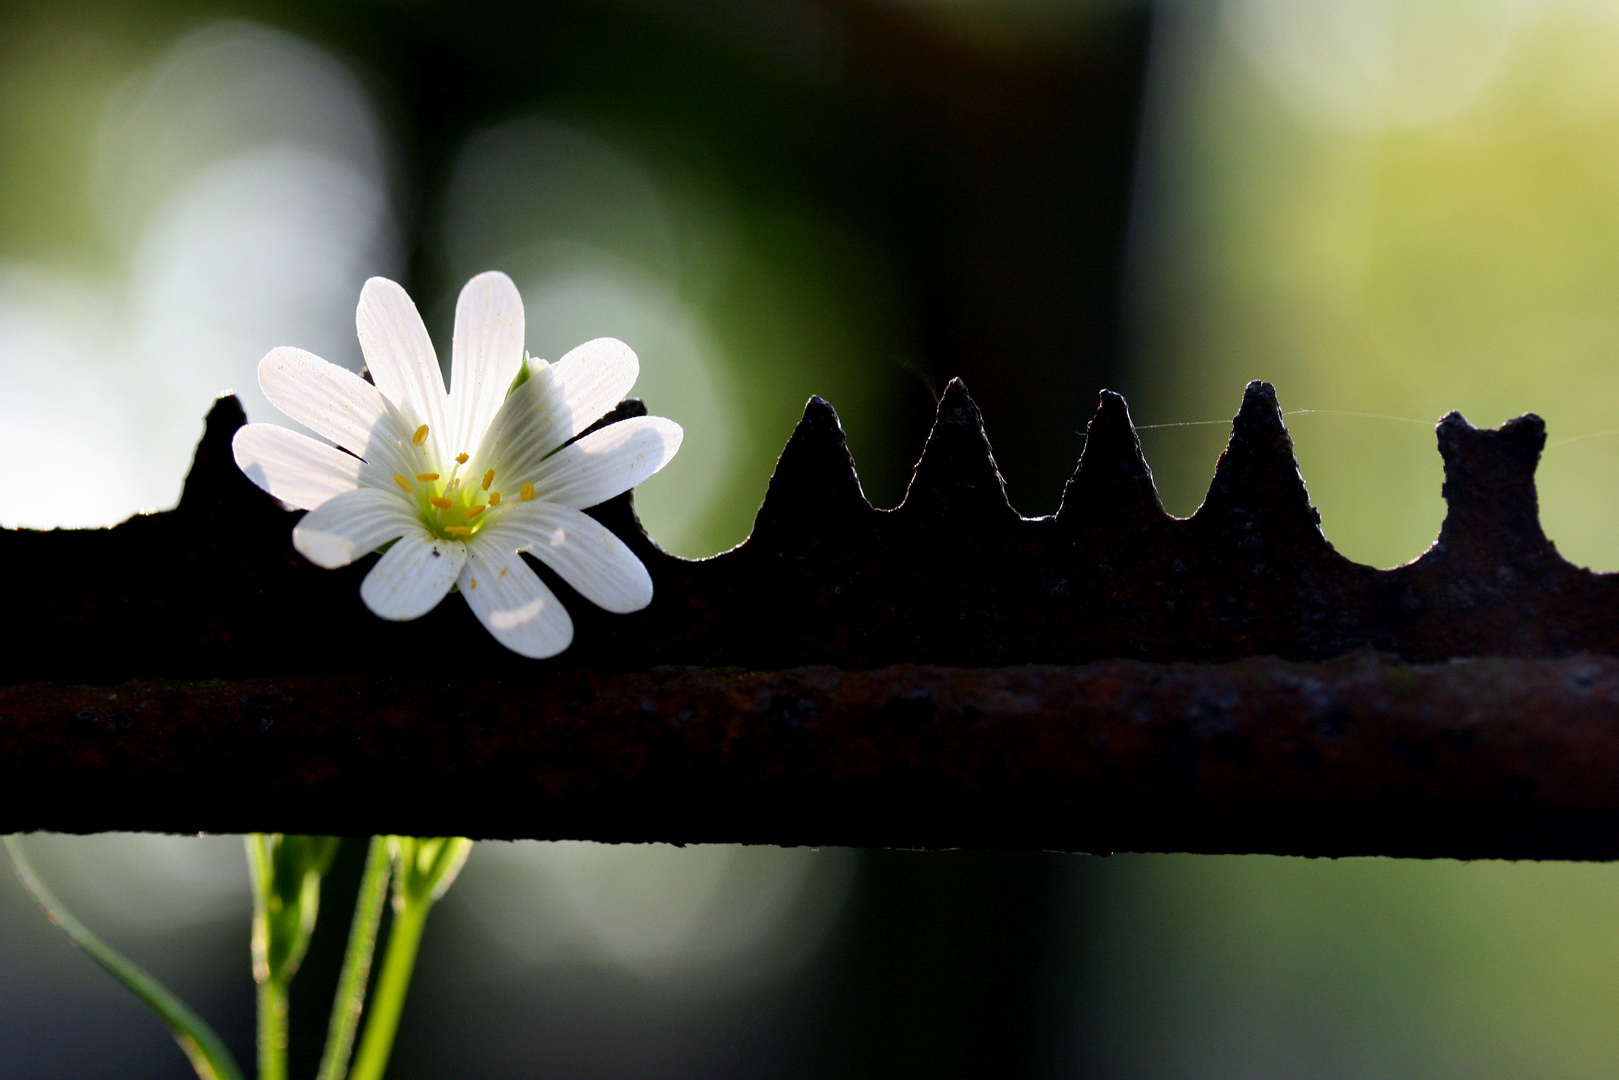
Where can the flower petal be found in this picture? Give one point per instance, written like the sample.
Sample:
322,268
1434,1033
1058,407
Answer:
512,602
346,526
581,549
485,356
592,378
412,576
400,356
559,401
293,467
329,400
608,462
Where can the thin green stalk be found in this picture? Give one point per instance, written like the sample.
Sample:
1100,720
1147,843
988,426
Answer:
424,866
205,1050
272,1030
404,939
351,984
272,991
287,870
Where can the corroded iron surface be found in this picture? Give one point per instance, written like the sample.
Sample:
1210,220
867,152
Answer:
1361,755
978,678
213,588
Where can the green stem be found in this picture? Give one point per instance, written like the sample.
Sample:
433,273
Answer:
351,984
207,1053
272,1030
404,938
272,990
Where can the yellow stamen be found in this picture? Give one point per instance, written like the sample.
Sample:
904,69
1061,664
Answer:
458,530
474,583
424,477
494,498
527,493
460,459
488,478
442,504
475,511
420,436
503,571
403,482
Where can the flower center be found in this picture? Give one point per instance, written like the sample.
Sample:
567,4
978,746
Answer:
452,507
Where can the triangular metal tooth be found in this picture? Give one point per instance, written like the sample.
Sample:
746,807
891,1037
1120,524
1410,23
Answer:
956,478
214,477
1257,477
1490,486
815,483
1112,478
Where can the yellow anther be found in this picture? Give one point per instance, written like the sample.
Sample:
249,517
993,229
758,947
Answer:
442,504
404,482
475,511
494,498
424,477
527,493
474,583
503,571
488,478
420,436
458,530
460,459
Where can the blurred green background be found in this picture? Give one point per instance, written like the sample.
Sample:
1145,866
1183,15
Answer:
1386,207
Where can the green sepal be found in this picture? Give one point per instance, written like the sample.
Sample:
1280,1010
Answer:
425,866
523,375
286,888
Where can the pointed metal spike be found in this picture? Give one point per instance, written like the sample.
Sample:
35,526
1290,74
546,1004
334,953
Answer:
214,475
1112,477
1257,475
956,478
815,482
1492,506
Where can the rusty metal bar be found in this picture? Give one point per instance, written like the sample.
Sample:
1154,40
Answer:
1492,758
1148,721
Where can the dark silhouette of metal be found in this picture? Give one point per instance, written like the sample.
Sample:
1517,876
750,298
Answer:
945,673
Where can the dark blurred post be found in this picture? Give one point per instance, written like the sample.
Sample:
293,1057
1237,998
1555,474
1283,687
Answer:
1003,181
948,967
1002,176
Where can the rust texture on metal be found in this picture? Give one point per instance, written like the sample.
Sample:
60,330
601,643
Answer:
652,727
1361,755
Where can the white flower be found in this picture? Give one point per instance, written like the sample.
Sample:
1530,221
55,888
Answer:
460,482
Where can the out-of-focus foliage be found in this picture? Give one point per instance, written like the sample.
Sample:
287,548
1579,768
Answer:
176,202
1390,207
1265,967
168,209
